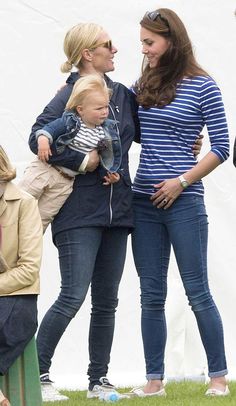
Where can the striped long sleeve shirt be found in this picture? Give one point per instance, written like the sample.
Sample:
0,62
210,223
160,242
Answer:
168,134
87,138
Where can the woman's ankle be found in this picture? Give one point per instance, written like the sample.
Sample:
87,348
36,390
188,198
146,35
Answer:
218,383
153,385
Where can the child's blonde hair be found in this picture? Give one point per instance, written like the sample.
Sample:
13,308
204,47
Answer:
84,86
81,36
7,172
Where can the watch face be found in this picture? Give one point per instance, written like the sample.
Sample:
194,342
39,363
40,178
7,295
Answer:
184,182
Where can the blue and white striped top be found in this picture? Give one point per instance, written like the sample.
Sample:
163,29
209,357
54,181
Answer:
168,134
87,138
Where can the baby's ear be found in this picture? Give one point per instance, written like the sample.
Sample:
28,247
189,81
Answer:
79,109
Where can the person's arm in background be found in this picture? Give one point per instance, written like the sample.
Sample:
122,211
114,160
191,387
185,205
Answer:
29,253
234,153
3,264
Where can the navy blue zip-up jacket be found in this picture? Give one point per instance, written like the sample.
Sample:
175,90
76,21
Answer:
91,203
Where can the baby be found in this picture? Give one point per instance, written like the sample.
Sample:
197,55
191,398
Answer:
83,127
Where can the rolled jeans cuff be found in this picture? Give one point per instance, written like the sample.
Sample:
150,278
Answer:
218,373
151,377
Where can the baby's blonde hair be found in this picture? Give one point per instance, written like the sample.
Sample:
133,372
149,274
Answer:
84,86
7,172
81,36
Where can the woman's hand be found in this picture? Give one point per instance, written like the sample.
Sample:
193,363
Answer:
198,145
168,191
111,178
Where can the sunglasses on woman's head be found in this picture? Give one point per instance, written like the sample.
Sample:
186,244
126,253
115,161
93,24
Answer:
108,44
153,15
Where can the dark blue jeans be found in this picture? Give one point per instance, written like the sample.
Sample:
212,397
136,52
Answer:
184,226
93,255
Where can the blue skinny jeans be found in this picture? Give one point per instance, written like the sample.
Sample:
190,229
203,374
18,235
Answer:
183,226
93,255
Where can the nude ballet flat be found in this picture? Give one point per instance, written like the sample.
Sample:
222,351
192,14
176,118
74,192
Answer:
141,394
217,392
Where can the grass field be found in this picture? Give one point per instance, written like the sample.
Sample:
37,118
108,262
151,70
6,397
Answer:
178,394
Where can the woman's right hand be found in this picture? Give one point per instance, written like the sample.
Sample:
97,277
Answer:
93,161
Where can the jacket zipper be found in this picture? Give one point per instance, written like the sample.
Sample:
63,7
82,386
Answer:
111,188
110,206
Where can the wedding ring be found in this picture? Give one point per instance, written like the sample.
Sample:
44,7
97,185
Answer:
164,201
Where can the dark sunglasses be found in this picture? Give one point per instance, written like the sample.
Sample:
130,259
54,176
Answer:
153,15
108,44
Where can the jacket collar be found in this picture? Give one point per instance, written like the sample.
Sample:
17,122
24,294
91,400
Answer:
12,192
75,76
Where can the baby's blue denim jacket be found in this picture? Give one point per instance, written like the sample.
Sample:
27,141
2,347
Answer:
62,131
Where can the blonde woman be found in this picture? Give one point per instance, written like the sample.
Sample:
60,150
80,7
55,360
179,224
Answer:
20,252
91,229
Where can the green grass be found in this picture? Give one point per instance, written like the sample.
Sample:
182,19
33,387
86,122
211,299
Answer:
178,394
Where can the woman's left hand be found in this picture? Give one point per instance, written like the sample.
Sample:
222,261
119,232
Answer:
197,146
168,191
111,178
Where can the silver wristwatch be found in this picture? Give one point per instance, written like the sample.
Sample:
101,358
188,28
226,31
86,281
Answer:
183,181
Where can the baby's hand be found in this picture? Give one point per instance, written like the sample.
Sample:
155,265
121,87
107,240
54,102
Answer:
111,178
44,151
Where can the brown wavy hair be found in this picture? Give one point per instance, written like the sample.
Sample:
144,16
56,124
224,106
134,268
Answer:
157,86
